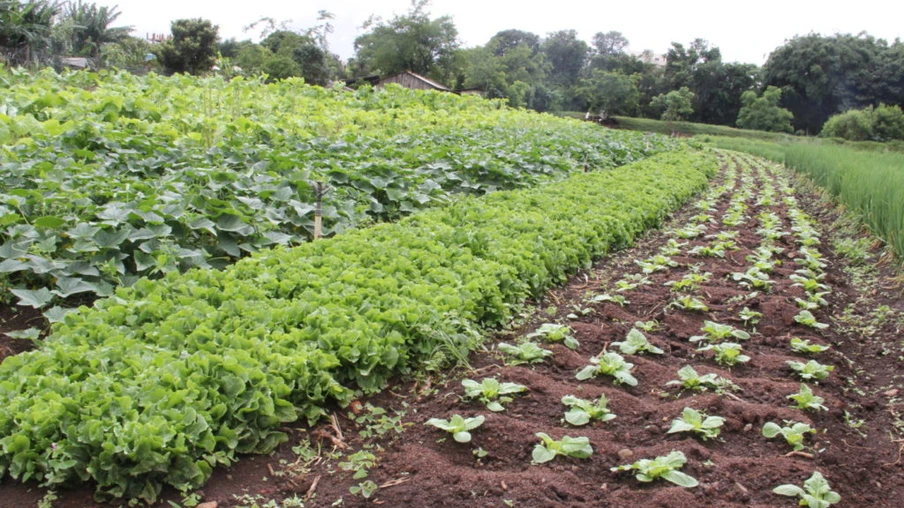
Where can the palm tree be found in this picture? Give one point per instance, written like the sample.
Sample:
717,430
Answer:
25,28
91,27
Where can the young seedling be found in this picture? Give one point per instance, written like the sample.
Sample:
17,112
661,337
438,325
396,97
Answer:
688,302
689,379
632,282
610,364
583,411
709,251
549,448
750,317
811,371
457,426
672,248
526,352
727,353
636,343
715,332
647,326
793,432
806,318
491,392
799,345
807,400
816,492
666,467
656,263
753,277
689,282
691,420
606,297
552,332
691,231
810,284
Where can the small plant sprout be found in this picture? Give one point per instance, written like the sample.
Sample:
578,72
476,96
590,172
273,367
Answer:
549,448
583,411
793,432
667,468
807,400
632,282
709,251
636,343
697,422
799,345
672,248
714,332
688,302
691,231
689,379
727,353
811,371
689,282
457,426
656,263
552,332
606,297
610,364
810,284
525,352
753,278
807,318
750,317
491,392
647,326
816,492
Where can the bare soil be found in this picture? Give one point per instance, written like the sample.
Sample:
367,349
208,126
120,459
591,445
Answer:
858,447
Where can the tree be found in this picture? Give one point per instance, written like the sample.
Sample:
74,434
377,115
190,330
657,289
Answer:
91,27
676,105
681,63
192,48
25,29
311,60
609,43
411,42
764,113
609,93
566,55
884,123
717,88
821,76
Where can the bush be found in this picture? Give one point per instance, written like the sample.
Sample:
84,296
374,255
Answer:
884,123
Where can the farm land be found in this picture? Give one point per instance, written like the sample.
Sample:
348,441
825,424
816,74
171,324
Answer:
752,341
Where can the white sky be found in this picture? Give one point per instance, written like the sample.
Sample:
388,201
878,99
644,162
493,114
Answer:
744,31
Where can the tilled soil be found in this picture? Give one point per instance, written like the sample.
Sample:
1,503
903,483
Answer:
858,446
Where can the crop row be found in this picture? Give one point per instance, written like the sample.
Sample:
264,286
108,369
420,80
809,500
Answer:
106,178
166,379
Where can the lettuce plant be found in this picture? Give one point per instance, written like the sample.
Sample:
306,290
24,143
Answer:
807,400
667,468
610,364
811,371
525,352
549,448
806,318
583,411
697,422
636,343
491,392
793,432
689,379
552,332
816,492
458,426
799,345
688,302
715,332
727,353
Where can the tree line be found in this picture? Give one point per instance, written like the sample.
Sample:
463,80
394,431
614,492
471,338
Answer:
803,83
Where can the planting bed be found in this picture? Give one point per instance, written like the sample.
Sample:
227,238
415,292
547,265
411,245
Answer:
762,223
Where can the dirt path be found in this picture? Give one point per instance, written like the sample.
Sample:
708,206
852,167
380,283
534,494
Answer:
856,445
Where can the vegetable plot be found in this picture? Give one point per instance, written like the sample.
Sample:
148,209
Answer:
167,379
107,178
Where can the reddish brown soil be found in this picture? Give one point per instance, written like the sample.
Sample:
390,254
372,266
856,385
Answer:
421,466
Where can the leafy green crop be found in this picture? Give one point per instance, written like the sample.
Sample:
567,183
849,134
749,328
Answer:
806,399
816,492
793,432
727,353
689,379
667,468
799,345
812,370
168,379
548,448
583,411
715,332
635,343
688,302
806,318
491,392
609,364
691,420
525,352
458,426
552,332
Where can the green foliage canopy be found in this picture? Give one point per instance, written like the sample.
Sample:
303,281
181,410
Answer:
764,113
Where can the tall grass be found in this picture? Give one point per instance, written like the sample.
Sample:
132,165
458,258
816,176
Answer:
871,183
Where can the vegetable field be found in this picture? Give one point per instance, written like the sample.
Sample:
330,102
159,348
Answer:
107,178
727,360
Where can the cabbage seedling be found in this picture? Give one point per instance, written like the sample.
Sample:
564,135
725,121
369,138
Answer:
806,399
811,370
691,420
667,468
727,353
793,432
549,448
457,426
552,332
526,352
610,364
816,492
715,332
799,345
491,392
636,343
583,411
806,318
689,379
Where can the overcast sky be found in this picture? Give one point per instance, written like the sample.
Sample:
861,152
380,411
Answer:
744,31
